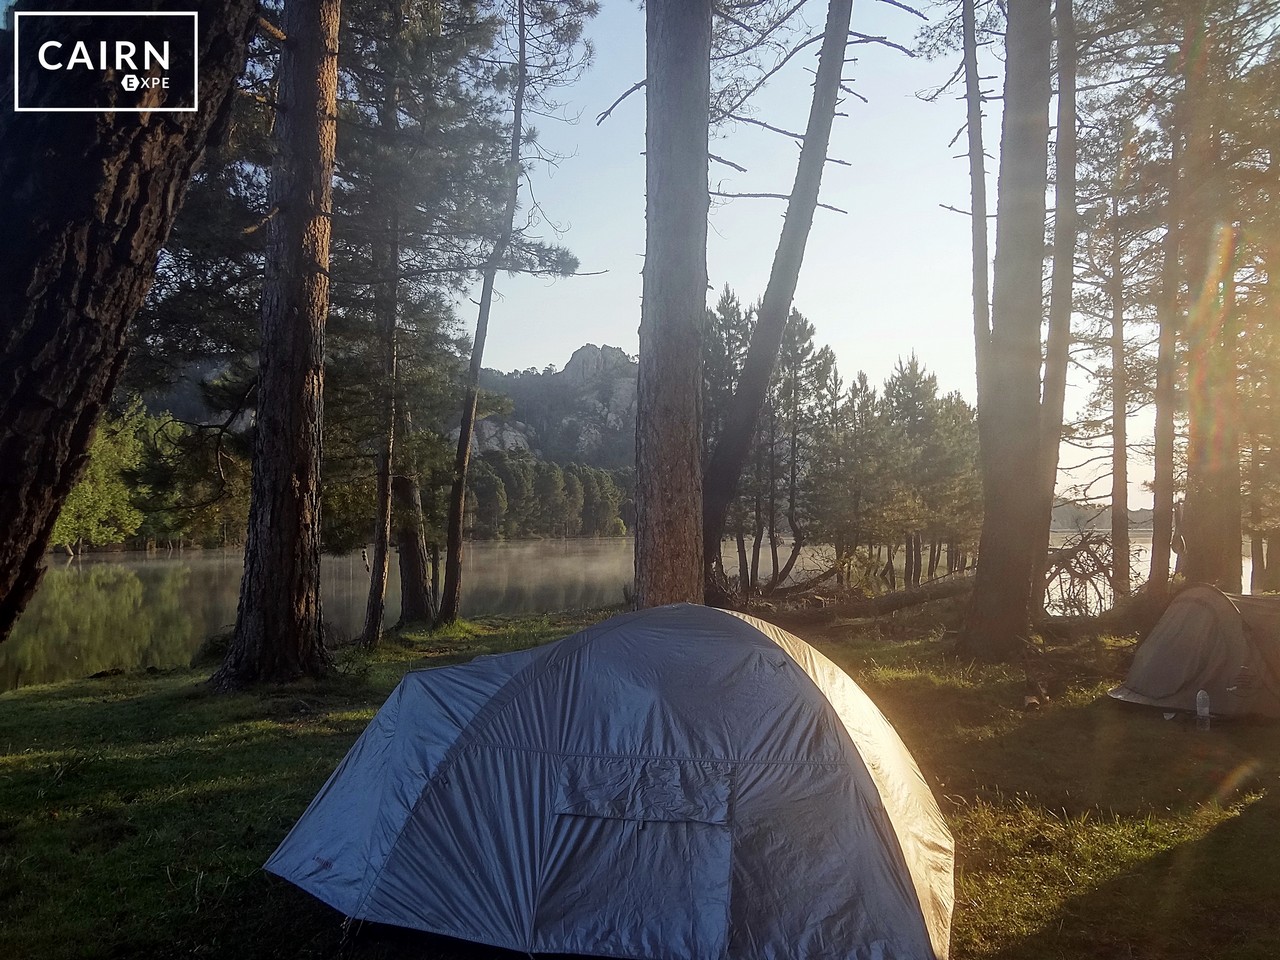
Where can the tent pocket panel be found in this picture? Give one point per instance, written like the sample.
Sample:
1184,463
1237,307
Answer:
637,859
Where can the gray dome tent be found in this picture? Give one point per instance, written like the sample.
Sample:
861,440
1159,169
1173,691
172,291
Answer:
1208,640
679,782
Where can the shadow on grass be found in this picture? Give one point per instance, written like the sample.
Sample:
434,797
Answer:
1210,897
1085,828
138,812
1099,830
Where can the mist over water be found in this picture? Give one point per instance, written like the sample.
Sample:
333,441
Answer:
131,611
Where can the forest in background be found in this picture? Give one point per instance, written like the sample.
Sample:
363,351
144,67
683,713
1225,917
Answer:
1133,237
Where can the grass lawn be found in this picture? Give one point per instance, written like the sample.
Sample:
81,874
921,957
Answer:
135,812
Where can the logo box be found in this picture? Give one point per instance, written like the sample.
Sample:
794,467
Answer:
108,61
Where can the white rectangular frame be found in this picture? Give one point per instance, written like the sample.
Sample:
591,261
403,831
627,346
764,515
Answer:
195,53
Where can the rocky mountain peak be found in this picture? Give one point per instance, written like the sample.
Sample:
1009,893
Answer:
590,363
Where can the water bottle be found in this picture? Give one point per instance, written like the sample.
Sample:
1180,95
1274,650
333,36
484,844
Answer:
1202,710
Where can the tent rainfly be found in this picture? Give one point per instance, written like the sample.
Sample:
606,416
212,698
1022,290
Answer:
1226,645
680,782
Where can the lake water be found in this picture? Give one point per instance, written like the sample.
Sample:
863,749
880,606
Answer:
131,610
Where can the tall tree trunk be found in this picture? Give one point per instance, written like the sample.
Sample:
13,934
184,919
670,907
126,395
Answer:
757,529
797,547
376,603
1166,400
1271,582
1257,545
1120,575
977,225
999,611
890,572
1065,229
725,466
908,562
386,262
416,603
744,572
977,194
773,496
435,575
87,201
451,598
793,486
279,633
669,533
1212,510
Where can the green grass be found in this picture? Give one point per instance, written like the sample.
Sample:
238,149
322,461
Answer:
135,812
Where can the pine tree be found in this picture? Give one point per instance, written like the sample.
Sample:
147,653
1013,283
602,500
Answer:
279,634
99,192
669,550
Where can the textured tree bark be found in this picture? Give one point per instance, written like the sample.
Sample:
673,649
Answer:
724,469
669,544
1062,288
279,633
998,619
1212,528
451,597
416,604
1211,516
88,200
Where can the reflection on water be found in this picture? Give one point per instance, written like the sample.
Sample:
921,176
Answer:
133,611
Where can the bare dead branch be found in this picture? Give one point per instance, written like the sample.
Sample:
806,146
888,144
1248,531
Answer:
769,196
724,15
727,163
629,91
766,126
770,73
967,213
908,9
844,87
883,41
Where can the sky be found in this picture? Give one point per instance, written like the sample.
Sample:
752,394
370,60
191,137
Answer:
888,278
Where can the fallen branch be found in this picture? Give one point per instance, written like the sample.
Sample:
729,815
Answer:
791,589
939,589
